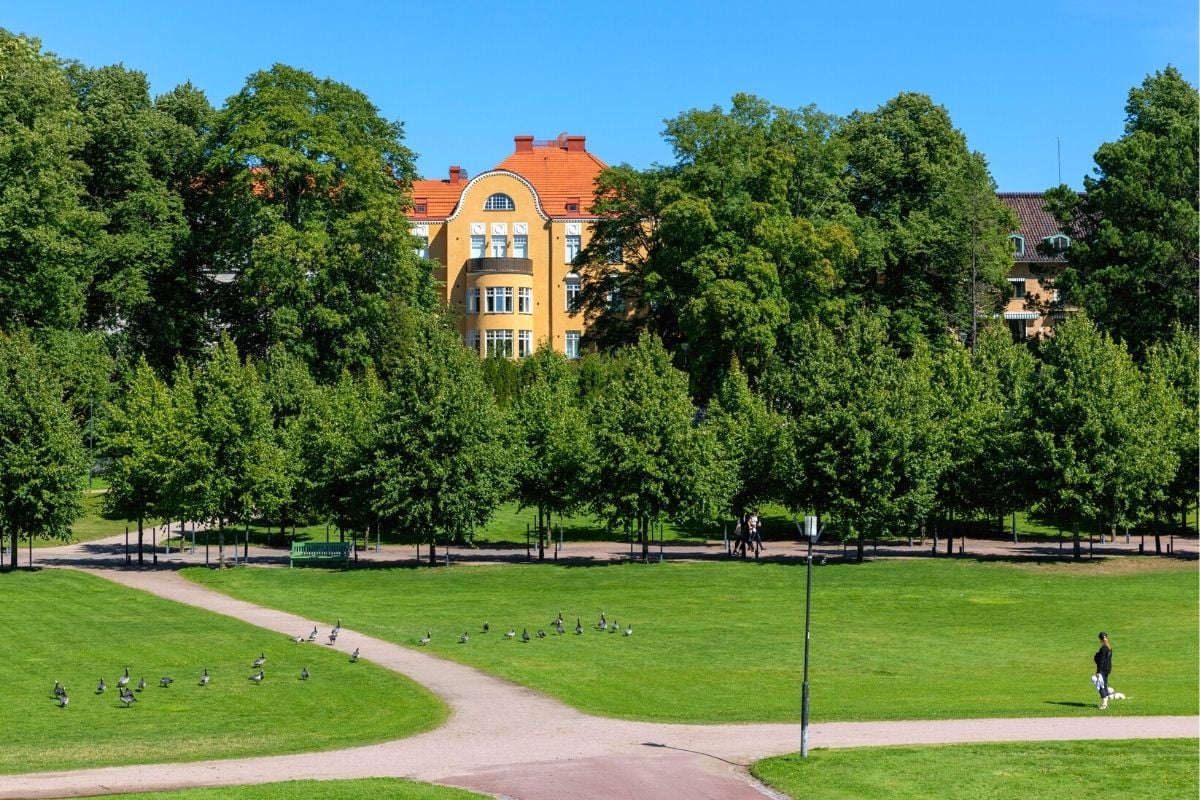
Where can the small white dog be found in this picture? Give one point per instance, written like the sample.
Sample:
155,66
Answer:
1097,681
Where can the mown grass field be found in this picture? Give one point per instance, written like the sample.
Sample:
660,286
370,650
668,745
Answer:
723,642
1153,769
373,789
75,628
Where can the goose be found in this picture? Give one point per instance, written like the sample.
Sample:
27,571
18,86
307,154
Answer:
603,623
613,628
486,627
578,626
204,677
312,637
511,633
298,640
141,684
629,630
354,656
304,674
101,686
165,681
463,639
127,697
63,699
558,627
524,634
541,634
425,639
333,636
337,626
59,691
123,681
262,659
257,677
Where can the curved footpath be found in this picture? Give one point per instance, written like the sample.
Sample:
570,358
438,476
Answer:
511,742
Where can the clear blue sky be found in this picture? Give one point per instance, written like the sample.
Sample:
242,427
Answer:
1020,78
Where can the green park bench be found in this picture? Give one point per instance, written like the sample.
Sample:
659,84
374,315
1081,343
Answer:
317,552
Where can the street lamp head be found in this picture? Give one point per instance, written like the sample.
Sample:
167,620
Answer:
811,531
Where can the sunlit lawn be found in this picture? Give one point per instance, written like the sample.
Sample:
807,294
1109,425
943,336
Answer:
76,628
1153,769
723,642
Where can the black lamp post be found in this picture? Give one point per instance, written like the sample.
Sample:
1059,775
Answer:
812,533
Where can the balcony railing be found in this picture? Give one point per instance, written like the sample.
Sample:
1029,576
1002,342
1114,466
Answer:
500,264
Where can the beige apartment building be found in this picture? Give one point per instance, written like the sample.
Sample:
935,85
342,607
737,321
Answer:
1039,252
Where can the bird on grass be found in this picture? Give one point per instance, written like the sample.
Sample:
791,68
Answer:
59,691
578,626
629,630
257,677
204,677
524,634
141,684
354,656
614,627
262,659
511,633
127,697
603,623
541,634
464,638
558,627
312,637
304,674
165,681
123,681
486,627
101,686
298,640
425,639
63,699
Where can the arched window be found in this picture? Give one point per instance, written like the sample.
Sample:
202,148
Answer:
499,202
1058,242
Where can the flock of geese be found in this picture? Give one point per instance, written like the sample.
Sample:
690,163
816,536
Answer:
128,698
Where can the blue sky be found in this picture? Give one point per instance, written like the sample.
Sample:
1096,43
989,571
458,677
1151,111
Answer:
1023,80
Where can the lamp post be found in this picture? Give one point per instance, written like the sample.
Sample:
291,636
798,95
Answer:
812,533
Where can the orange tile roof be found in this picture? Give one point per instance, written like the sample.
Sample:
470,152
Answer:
560,170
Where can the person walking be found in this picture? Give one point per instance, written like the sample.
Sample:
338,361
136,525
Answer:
1103,659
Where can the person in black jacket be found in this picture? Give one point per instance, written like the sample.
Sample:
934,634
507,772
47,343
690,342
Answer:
1103,659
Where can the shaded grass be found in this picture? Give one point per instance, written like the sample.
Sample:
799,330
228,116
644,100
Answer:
1153,769
723,642
76,628
374,788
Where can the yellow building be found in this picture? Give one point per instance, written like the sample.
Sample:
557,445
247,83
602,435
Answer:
1039,254
506,240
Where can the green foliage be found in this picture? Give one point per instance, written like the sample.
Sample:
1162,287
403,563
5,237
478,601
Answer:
42,459
751,438
1173,369
1133,256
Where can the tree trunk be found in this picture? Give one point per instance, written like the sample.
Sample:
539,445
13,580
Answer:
859,549
644,532
432,550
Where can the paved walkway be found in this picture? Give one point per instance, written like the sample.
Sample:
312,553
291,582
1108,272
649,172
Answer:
508,741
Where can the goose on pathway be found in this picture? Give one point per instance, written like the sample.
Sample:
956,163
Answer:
312,637
333,634
298,640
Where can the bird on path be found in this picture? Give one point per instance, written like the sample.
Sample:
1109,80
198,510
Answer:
541,634
204,677
304,674
123,681
165,681
463,639
511,633
127,697
101,686
257,677
354,656
425,639
141,684
262,659
337,626
578,626
63,699
298,639
524,634
312,637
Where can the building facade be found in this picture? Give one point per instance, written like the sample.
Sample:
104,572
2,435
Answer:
1039,253
506,240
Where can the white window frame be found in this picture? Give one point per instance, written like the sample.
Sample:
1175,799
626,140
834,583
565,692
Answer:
571,344
573,284
499,202
573,243
472,340
524,300
499,299
472,300
524,344
499,245
478,242
499,343
520,245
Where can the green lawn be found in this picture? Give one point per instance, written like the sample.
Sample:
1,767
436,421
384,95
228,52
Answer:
723,642
76,628
374,789
1154,769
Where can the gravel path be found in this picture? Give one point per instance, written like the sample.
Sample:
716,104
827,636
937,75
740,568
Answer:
508,741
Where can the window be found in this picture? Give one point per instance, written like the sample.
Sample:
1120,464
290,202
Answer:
499,246
524,343
500,343
572,284
473,300
616,255
1018,244
472,339
499,300
573,243
525,300
1058,243
1018,287
572,344
520,246
499,202
420,205
613,298
422,248
572,204
476,245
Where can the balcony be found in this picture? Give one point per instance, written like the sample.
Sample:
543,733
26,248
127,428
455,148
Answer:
521,266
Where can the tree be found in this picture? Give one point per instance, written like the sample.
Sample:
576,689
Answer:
136,436
47,236
1172,367
41,457
751,438
1133,256
656,462
310,185
931,233
1105,455
553,450
441,464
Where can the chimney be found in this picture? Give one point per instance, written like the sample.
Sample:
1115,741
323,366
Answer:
524,144
575,144
455,174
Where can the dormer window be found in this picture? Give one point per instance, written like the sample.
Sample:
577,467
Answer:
499,202
1018,244
572,204
420,206
1058,243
